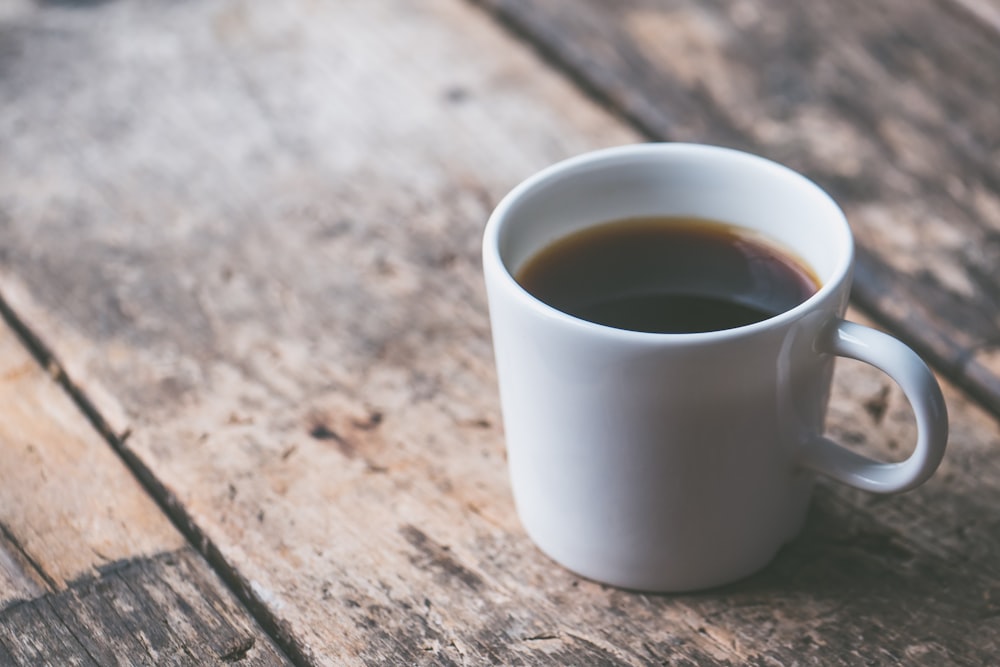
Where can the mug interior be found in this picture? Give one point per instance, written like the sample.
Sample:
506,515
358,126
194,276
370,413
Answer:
675,180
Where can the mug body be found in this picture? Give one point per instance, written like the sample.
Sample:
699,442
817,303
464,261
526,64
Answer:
662,462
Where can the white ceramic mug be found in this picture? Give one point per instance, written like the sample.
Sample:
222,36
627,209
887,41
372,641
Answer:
668,462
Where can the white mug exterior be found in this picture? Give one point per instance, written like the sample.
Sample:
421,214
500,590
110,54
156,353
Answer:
668,462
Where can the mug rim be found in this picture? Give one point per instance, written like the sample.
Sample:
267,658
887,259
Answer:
493,262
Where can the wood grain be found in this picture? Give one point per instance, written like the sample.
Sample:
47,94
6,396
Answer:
885,104
68,504
91,571
250,234
163,610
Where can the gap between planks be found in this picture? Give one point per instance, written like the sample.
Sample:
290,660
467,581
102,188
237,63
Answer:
162,496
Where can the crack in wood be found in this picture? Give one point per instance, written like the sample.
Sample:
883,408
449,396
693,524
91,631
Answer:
24,555
167,608
164,498
72,632
433,554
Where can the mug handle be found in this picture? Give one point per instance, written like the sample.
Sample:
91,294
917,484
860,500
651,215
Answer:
918,384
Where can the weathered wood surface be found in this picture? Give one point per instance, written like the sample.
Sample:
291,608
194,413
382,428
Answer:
168,609
887,104
91,571
250,233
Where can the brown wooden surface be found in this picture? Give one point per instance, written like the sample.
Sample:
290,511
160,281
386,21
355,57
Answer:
168,609
886,104
249,233
91,571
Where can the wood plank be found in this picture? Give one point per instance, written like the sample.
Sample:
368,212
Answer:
265,269
163,610
91,571
61,485
19,578
882,103
33,639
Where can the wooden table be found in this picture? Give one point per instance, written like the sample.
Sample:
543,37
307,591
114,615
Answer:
248,411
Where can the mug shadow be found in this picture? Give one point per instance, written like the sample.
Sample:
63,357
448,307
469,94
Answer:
879,570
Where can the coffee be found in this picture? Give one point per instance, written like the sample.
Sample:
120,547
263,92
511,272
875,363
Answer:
668,275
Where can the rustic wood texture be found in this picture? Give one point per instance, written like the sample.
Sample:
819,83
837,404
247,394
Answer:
67,504
250,234
164,610
91,571
886,104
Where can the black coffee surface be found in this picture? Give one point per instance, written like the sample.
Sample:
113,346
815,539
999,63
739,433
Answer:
668,275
